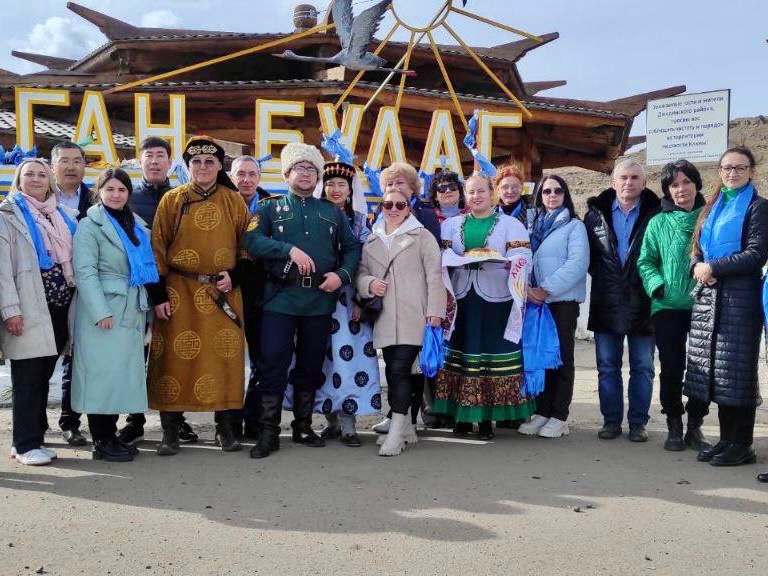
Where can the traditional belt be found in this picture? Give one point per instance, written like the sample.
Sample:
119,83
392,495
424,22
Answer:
218,297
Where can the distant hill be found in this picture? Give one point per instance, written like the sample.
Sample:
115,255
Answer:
751,132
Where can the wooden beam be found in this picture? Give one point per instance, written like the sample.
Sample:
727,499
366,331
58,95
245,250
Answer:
52,62
532,88
514,51
111,27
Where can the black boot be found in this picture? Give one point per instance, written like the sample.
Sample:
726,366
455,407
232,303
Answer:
734,455
111,450
706,454
674,442
224,435
694,438
269,422
169,445
303,403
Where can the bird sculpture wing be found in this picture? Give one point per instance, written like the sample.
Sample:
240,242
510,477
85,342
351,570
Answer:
364,27
342,17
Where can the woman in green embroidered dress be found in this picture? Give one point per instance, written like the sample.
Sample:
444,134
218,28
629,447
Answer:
482,380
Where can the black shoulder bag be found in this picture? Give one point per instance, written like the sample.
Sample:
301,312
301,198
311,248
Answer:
370,308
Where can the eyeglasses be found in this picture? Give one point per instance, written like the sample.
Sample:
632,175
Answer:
197,162
556,191
740,169
444,188
305,169
67,162
399,205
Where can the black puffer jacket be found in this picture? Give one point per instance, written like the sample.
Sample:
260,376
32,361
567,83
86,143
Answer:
727,320
618,303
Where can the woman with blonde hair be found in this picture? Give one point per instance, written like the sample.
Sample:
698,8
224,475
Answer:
485,251
401,264
36,287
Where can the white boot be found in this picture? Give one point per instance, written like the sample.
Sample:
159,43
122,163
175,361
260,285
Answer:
394,442
409,435
382,427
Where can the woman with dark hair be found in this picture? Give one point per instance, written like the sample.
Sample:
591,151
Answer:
447,195
508,186
36,286
113,265
351,370
559,279
730,247
664,269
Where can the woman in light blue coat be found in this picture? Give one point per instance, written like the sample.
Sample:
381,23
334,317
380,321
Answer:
560,263
113,263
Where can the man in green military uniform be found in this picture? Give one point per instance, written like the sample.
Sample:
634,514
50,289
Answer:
309,252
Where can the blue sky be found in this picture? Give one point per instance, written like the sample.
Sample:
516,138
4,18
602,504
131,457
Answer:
607,48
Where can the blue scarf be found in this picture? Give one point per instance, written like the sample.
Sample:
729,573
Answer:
544,224
43,258
254,205
141,260
541,347
722,230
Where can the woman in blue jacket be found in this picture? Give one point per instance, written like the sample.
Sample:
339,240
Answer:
113,263
560,263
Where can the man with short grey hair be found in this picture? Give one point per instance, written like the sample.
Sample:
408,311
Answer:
619,308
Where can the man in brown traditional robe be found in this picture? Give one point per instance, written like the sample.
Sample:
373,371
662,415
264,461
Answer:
197,351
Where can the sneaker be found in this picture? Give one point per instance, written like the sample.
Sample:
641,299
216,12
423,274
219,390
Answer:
48,451
532,426
554,428
382,427
35,457
130,435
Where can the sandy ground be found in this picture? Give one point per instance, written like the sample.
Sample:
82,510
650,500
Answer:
515,505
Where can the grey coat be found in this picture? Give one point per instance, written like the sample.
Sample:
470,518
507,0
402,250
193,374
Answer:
21,288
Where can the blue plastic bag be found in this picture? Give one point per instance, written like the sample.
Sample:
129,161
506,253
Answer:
541,347
432,352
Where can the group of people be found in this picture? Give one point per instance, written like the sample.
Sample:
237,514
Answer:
153,294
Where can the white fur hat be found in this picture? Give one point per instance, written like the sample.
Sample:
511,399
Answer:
296,152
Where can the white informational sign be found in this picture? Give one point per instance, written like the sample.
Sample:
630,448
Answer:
691,126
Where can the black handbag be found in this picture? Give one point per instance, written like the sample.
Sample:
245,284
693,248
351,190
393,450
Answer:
370,308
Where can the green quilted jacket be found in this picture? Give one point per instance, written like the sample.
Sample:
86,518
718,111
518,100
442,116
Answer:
664,263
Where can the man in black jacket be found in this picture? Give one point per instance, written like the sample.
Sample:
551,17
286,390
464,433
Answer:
619,307
155,161
68,165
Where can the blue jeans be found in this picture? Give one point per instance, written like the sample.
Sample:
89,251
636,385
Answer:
609,349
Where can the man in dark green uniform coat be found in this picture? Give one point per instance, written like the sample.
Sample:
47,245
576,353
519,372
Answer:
309,252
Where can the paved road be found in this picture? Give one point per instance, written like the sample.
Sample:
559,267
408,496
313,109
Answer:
511,506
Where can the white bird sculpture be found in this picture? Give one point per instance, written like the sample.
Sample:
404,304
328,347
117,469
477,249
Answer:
355,35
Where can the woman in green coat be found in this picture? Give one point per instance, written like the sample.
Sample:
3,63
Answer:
113,262
664,269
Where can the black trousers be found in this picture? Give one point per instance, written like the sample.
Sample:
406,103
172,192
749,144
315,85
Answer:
68,419
102,426
737,424
398,361
281,336
555,401
671,328
252,316
30,379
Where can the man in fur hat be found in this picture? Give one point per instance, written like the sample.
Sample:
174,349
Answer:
197,350
309,253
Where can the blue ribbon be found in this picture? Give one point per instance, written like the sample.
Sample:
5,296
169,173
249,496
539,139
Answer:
427,178
16,155
372,174
486,166
254,205
265,158
470,141
182,175
333,145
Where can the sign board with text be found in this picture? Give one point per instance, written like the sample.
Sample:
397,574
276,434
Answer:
690,126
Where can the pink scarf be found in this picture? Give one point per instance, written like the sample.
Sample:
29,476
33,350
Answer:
55,232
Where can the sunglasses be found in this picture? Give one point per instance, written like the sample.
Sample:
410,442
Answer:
443,188
557,191
399,205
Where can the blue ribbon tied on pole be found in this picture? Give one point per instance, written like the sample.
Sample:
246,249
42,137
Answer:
16,155
372,175
335,147
470,141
